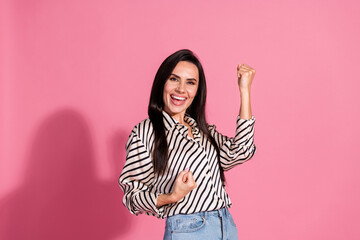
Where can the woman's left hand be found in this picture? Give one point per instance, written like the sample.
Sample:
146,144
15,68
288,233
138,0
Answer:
245,75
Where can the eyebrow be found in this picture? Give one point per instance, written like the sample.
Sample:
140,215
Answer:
179,77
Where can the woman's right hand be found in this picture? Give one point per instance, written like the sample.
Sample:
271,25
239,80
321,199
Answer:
184,183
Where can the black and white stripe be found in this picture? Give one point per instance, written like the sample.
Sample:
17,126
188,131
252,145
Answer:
142,187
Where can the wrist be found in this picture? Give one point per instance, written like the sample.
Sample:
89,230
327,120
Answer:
244,90
164,199
173,197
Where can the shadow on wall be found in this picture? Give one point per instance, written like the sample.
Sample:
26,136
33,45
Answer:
61,197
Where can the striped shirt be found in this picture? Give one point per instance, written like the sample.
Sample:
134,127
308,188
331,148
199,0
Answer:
142,187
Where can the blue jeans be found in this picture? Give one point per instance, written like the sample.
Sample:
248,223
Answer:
212,225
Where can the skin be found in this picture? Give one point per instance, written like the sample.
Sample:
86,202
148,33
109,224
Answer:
185,72
245,75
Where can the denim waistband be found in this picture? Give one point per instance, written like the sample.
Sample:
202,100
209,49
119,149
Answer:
219,212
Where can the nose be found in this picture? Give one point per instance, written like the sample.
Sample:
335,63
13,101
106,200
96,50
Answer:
180,87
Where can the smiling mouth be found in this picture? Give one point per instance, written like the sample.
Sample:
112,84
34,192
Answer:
177,98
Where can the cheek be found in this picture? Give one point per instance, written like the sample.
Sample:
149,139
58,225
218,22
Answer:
193,92
166,90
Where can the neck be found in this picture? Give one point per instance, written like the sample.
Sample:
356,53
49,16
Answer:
179,117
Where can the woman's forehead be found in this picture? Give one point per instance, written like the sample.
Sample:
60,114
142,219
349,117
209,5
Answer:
186,69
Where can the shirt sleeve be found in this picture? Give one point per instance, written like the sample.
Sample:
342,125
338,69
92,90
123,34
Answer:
238,149
136,179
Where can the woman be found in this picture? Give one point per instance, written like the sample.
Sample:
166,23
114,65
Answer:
175,161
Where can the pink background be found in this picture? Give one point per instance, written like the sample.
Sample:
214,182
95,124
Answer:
76,77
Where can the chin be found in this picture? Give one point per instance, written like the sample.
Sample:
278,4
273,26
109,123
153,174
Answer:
176,110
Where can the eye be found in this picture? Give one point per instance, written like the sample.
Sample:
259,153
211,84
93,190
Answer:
191,82
173,79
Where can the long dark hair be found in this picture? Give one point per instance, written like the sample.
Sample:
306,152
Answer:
196,110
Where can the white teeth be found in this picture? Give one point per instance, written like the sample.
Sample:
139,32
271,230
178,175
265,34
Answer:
178,98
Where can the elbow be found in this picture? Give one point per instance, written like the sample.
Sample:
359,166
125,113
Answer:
251,152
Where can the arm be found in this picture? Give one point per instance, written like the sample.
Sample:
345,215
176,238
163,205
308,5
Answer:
137,177
245,104
237,150
184,183
164,199
245,77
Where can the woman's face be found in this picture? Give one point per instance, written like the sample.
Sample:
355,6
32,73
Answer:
180,89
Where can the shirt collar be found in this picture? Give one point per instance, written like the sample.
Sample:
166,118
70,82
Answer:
170,122
190,120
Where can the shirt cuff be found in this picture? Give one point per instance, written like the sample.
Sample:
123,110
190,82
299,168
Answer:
244,129
159,211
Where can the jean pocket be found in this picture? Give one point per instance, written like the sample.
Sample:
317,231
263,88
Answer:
189,223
